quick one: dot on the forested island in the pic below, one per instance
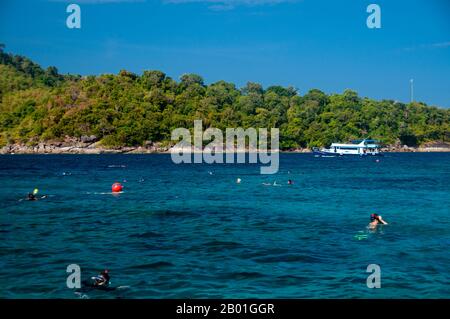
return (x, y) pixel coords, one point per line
(42, 110)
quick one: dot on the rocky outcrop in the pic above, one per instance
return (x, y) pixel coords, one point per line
(427, 147)
(435, 147)
(84, 145)
(88, 139)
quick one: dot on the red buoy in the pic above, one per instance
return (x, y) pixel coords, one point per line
(117, 187)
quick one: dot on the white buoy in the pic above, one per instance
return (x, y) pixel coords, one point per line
(238, 181)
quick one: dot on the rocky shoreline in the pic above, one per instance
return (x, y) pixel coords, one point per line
(86, 147)
(79, 148)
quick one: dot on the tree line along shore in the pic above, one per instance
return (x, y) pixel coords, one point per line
(43, 111)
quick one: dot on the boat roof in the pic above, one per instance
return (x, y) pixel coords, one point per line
(355, 145)
(358, 143)
(367, 141)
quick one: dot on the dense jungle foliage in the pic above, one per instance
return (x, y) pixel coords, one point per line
(127, 109)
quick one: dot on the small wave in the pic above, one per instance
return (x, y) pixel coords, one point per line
(40, 255)
(13, 251)
(123, 287)
(244, 275)
(291, 280)
(155, 265)
(103, 193)
(217, 245)
(274, 184)
(172, 213)
(223, 243)
(81, 295)
(288, 258)
(148, 234)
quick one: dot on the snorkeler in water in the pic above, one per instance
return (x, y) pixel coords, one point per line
(102, 280)
(375, 220)
(33, 196)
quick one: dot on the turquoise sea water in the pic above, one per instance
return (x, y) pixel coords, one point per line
(189, 231)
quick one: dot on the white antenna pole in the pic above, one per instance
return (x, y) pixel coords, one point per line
(412, 90)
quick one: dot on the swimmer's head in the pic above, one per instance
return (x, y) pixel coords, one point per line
(374, 217)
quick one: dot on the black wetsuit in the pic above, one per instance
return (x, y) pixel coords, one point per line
(106, 277)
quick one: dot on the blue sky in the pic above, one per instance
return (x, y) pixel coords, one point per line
(304, 43)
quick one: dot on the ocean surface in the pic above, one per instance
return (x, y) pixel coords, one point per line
(190, 231)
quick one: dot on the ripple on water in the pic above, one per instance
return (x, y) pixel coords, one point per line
(153, 265)
(147, 234)
(219, 246)
(288, 258)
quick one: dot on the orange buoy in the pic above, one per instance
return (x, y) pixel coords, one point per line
(117, 187)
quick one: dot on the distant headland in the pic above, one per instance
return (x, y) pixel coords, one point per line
(43, 111)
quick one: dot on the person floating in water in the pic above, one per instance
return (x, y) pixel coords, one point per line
(33, 195)
(290, 182)
(102, 280)
(375, 220)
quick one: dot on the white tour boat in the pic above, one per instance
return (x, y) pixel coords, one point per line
(358, 147)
